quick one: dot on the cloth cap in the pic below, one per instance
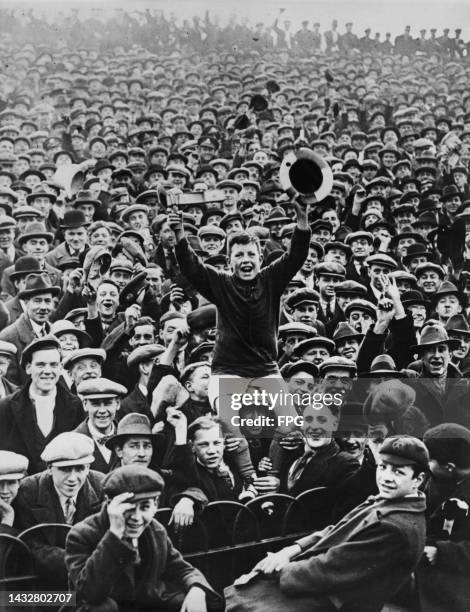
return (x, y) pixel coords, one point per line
(141, 481)
(405, 450)
(82, 353)
(144, 353)
(12, 465)
(100, 387)
(69, 448)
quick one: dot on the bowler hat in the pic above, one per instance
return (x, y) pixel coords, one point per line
(24, 266)
(37, 284)
(74, 219)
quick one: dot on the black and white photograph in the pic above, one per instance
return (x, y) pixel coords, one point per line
(235, 306)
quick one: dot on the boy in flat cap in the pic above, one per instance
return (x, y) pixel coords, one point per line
(13, 469)
(121, 558)
(101, 399)
(362, 561)
(66, 492)
(442, 576)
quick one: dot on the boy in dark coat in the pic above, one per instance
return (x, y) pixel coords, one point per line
(123, 557)
(442, 576)
(362, 561)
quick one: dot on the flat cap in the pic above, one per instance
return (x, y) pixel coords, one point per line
(350, 287)
(302, 296)
(363, 305)
(69, 448)
(7, 348)
(211, 230)
(39, 344)
(331, 268)
(83, 353)
(12, 465)
(337, 362)
(296, 327)
(449, 443)
(141, 481)
(359, 235)
(144, 353)
(317, 341)
(100, 387)
(382, 259)
(290, 369)
(405, 450)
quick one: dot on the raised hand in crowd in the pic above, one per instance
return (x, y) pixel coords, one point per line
(116, 510)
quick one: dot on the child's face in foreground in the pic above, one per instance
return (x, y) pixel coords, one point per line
(396, 481)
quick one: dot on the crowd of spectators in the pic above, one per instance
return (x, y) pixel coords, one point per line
(107, 327)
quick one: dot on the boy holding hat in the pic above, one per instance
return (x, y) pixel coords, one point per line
(122, 557)
(66, 492)
(363, 560)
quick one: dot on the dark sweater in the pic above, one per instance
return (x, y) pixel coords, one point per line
(247, 312)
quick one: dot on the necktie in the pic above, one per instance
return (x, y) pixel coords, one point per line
(298, 469)
(69, 511)
(224, 473)
(329, 311)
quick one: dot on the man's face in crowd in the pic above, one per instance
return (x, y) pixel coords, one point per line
(452, 204)
(137, 450)
(167, 236)
(302, 383)
(306, 313)
(245, 261)
(208, 447)
(337, 255)
(68, 480)
(84, 369)
(361, 248)
(337, 380)
(231, 199)
(310, 261)
(143, 335)
(155, 277)
(36, 247)
(9, 490)
(429, 281)
(76, 238)
(39, 307)
(464, 347)
(418, 312)
(7, 237)
(316, 355)
(198, 383)
(322, 236)
(212, 244)
(348, 347)
(43, 204)
(318, 426)
(44, 370)
(326, 285)
(120, 277)
(375, 273)
(447, 306)
(436, 359)
(360, 320)
(169, 327)
(107, 299)
(68, 343)
(101, 411)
